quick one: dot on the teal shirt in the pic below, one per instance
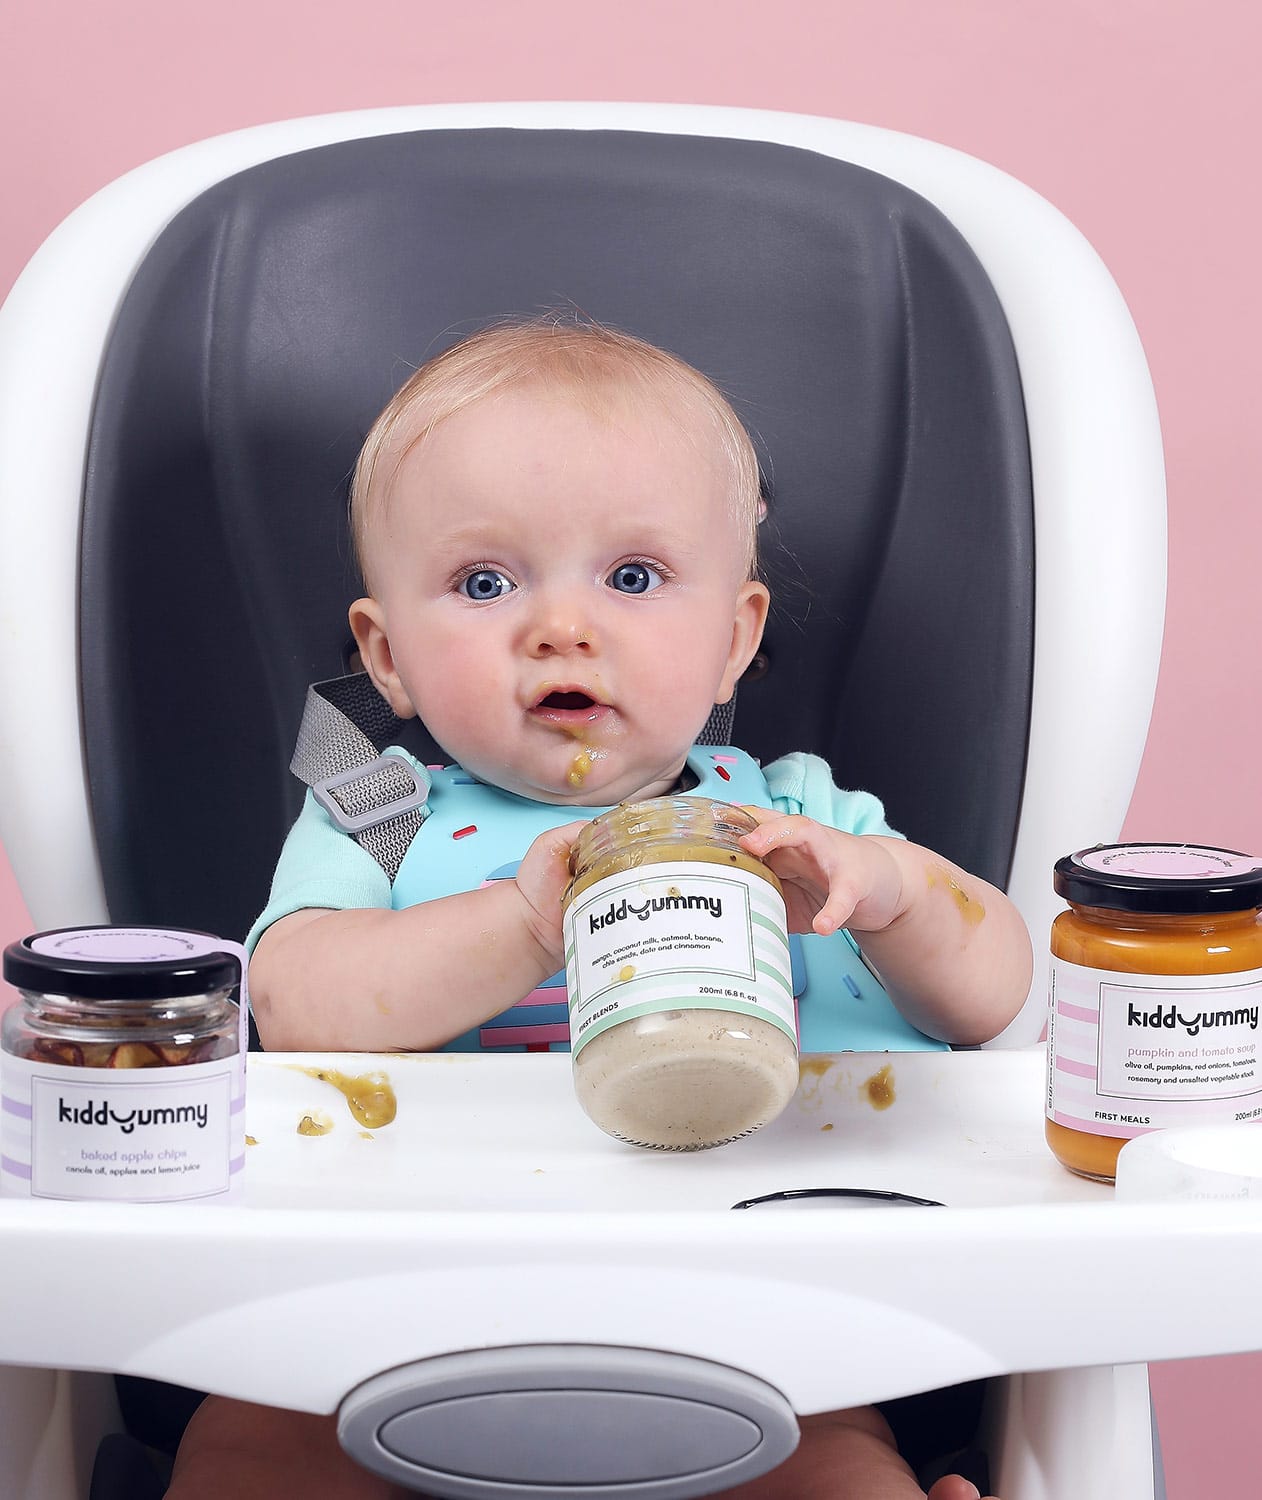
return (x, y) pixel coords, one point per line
(476, 833)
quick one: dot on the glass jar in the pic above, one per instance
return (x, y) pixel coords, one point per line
(1155, 985)
(682, 1020)
(122, 1066)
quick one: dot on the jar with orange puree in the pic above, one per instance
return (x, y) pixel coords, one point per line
(1156, 982)
(682, 1021)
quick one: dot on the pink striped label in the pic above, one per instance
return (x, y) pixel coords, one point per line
(1077, 1012)
(1129, 1053)
(1078, 1069)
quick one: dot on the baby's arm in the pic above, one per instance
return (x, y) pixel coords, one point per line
(374, 980)
(952, 950)
(847, 1455)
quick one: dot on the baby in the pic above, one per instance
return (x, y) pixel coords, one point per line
(556, 526)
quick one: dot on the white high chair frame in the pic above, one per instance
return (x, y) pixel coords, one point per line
(450, 1221)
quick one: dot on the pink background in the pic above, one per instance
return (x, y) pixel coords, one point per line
(1132, 116)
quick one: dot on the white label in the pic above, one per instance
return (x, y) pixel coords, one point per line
(1128, 1053)
(674, 936)
(130, 1135)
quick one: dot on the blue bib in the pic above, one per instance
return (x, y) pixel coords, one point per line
(477, 833)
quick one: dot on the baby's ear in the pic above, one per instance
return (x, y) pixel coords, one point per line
(368, 625)
(752, 603)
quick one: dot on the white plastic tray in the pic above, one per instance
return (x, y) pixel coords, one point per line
(492, 1212)
(505, 1134)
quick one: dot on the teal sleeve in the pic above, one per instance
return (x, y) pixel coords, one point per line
(801, 783)
(320, 866)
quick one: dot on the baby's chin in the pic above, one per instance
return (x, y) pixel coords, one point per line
(586, 783)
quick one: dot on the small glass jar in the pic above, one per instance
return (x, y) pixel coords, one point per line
(1155, 987)
(122, 1066)
(682, 1019)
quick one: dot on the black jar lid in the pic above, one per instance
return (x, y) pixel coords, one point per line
(121, 963)
(1164, 879)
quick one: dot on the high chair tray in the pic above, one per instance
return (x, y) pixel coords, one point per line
(491, 1212)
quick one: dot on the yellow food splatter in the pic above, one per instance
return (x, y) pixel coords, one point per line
(969, 907)
(368, 1096)
(250, 1141)
(880, 1088)
(814, 1067)
(826, 1127)
(316, 1123)
(627, 971)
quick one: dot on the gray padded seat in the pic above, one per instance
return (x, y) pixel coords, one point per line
(848, 321)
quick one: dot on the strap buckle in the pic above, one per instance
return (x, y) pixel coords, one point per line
(325, 793)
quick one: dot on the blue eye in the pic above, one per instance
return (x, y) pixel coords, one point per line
(484, 584)
(634, 578)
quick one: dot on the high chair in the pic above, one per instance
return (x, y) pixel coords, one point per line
(948, 394)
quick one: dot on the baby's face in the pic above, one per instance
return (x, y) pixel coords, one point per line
(560, 594)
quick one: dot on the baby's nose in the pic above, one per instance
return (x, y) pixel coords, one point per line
(561, 641)
(559, 631)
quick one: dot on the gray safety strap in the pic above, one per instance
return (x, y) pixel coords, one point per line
(717, 729)
(379, 800)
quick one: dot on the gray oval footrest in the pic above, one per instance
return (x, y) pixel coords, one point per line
(583, 1421)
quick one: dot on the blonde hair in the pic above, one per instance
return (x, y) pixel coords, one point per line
(594, 363)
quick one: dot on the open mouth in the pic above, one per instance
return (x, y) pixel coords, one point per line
(567, 701)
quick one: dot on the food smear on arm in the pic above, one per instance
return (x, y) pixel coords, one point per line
(969, 907)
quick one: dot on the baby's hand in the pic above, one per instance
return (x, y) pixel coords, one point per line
(542, 878)
(954, 1487)
(830, 879)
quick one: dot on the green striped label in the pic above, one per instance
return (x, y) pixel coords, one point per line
(677, 936)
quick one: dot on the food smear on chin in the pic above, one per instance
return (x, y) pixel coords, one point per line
(582, 712)
(579, 767)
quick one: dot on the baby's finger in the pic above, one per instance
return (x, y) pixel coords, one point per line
(837, 909)
(953, 1487)
(776, 830)
(562, 838)
(760, 814)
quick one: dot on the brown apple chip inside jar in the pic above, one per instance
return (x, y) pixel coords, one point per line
(173, 1054)
(68, 1054)
(134, 1055)
(128, 1054)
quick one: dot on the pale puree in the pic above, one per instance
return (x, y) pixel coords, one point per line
(683, 1078)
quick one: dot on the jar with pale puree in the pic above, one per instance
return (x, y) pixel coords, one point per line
(682, 1020)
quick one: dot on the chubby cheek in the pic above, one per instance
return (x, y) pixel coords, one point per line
(454, 691)
(684, 669)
